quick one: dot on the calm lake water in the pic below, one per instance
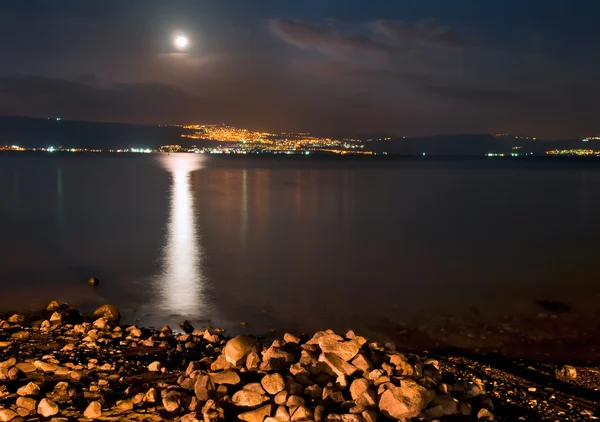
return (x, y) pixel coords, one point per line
(299, 243)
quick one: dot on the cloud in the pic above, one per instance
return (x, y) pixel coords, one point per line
(425, 31)
(324, 37)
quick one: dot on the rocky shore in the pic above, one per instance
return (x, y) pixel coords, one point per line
(62, 366)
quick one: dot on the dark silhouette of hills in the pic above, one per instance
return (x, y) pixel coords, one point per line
(36, 132)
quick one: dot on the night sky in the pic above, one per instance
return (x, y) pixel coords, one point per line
(346, 67)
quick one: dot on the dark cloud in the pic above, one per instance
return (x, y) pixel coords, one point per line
(477, 94)
(140, 102)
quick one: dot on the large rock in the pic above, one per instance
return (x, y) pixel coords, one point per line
(238, 348)
(93, 411)
(108, 311)
(258, 415)
(406, 401)
(273, 383)
(344, 349)
(47, 408)
(245, 398)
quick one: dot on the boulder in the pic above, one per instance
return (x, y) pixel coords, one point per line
(405, 401)
(108, 311)
(238, 348)
(47, 408)
(155, 366)
(93, 411)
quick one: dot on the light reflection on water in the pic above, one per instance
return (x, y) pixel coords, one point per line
(182, 284)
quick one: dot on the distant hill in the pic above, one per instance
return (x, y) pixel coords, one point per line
(36, 132)
(474, 144)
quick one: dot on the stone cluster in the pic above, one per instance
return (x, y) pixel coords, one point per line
(66, 367)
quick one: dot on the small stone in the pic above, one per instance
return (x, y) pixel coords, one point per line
(362, 363)
(186, 326)
(485, 415)
(47, 408)
(26, 367)
(26, 403)
(238, 348)
(151, 395)
(273, 383)
(155, 366)
(93, 281)
(93, 411)
(56, 318)
(171, 402)
(358, 387)
(568, 371)
(346, 350)
(245, 398)
(100, 323)
(7, 415)
(290, 338)
(30, 389)
(257, 415)
(253, 361)
(16, 319)
(302, 413)
(464, 409)
(281, 397)
(339, 367)
(123, 406)
(227, 378)
(204, 388)
(108, 311)
(405, 401)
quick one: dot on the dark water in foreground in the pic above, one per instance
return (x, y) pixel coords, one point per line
(300, 244)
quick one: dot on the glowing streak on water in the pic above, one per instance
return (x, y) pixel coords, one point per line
(182, 281)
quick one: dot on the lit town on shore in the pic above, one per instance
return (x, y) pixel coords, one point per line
(229, 140)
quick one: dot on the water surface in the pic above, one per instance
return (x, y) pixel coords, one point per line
(300, 243)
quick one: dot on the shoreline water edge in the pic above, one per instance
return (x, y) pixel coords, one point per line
(60, 365)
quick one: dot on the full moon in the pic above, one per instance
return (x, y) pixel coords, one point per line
(181, 42)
